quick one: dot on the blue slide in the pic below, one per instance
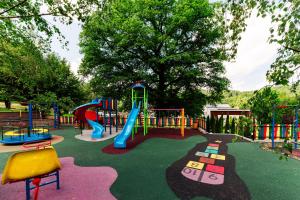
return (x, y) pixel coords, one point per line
(120, 140)
(97, 129)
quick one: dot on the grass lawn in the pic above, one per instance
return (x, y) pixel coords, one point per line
(141, 172)
(266, 176)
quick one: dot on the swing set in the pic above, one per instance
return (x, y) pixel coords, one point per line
(161, 118)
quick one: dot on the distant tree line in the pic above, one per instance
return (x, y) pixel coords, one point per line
(29, 74)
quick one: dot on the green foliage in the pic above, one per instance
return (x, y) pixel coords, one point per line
(232, 126)
(213, 124)
(23, 19)
(208, 127)
(227, 125)
(237, 99)
(285, 31)
(262, 104)
(29, 75)
(220, 123)
(174, 46)
(245, 126)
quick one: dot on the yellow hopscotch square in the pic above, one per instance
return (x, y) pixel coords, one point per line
(217, 156)
(195, 165)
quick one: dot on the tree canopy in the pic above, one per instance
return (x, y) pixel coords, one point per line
(24, 19)
(285, 31)
(262, 104)
(29, 75)
(174, 46)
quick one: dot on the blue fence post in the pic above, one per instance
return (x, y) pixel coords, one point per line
(56, 115)
(273, 127)
(97, 115)
(30, 116)
(296, 129)
(116, 104)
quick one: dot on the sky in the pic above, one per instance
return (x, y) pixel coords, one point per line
(247, 72)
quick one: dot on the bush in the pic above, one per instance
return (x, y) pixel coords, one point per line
(220, 125)
(213, 124)
(232, 126)
(208, 124)
(227, 125)
(245, 126)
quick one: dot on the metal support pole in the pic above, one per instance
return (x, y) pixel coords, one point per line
(145, 112)
(97, 115)
(110, 121)
(30, 117)
(27, 188)
(116, 105)
(296, 129)
(104, 120)
(182, 122)
(57, 180)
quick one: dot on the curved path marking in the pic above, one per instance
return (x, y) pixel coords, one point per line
(207, 170)
(88, 183)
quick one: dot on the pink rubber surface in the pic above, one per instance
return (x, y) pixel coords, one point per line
(89, 183)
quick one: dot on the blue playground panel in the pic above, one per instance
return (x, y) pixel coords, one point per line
(25, 138)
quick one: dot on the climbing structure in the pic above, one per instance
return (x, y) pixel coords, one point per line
(139, 93)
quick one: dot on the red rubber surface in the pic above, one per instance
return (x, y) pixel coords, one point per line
(153, 132)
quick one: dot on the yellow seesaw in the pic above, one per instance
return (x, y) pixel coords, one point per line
(32, 164)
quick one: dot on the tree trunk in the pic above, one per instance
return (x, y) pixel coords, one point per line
(7, 104)
(161, 89)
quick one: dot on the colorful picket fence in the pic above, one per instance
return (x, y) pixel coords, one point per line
(153, 122)
(67, 120)
(281, 131)
(161, 122)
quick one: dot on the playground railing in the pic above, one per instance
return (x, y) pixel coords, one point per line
(13, 132)
(281, 131)
(152, 122)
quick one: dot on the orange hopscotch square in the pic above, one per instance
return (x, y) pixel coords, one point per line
(207, 160)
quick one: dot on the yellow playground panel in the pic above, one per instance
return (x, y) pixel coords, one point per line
(40, 130)
(29, 164)
(13, 133)
(23, 132)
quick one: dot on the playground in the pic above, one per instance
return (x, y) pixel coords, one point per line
(139, 99)
(153, 170)
(162, 156)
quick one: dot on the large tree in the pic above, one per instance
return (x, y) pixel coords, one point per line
(174, 46)
(262, 104)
